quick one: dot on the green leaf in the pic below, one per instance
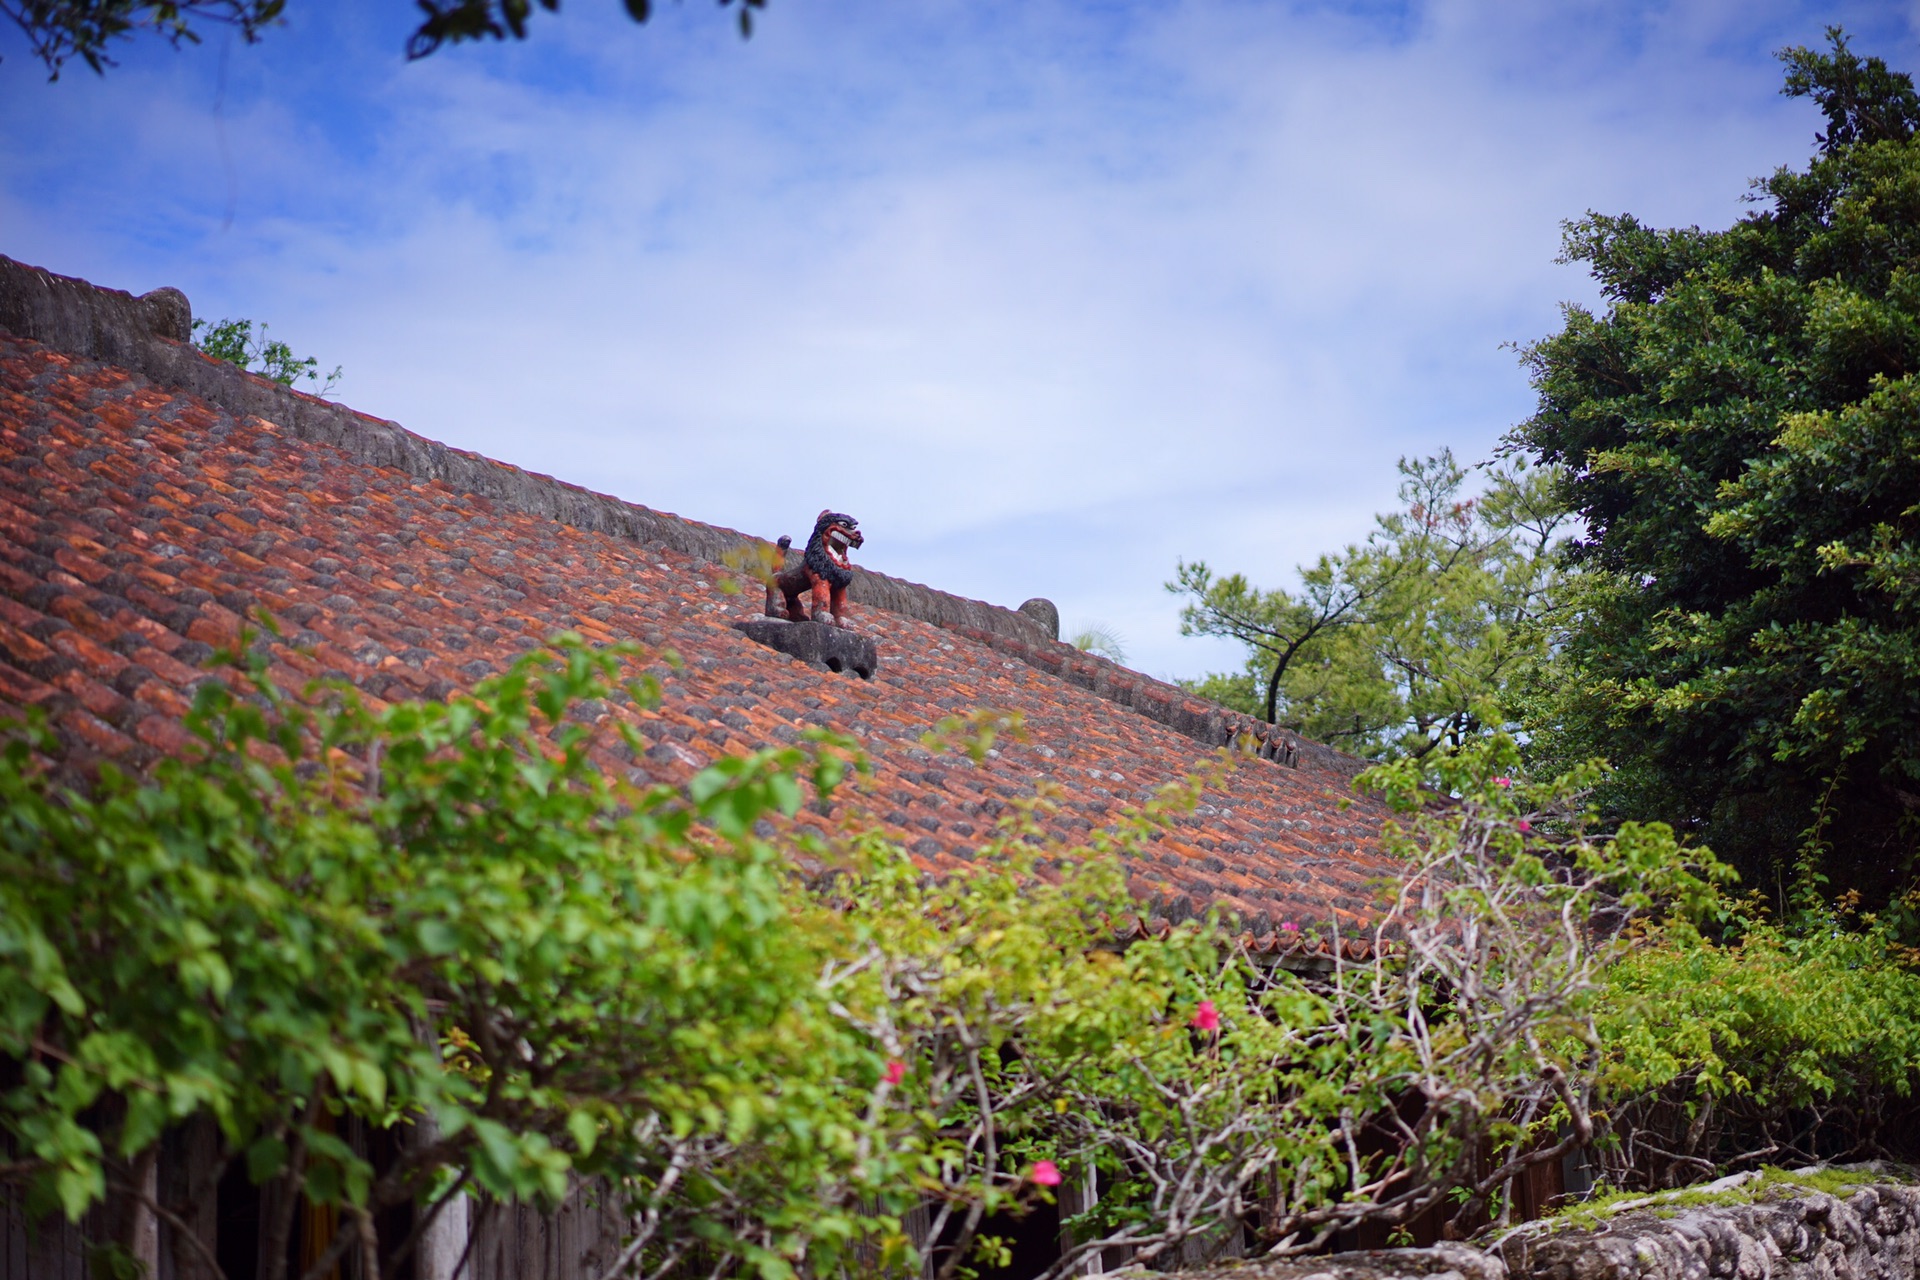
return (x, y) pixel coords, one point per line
(584, 1130)
(77, 1189)
(437, 936)
(266, 1156)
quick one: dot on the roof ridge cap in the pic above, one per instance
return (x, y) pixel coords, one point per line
(1168, 704)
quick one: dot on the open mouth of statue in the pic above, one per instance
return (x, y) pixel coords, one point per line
(838, 543)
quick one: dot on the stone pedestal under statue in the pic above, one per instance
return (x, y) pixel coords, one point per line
(818, 644)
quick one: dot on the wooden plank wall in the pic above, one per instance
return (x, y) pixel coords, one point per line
(54, 1249)
(511, 1242)
(517, 1242)
(49, 1250)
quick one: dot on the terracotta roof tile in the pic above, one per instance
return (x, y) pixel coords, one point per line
(139, 528)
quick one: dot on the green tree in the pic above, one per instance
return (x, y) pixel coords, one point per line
(235, 342)
(1427, 635)
(59, 30)
(452, 21)
(1738, 429)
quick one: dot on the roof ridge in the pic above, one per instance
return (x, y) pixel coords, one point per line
(1169, 704)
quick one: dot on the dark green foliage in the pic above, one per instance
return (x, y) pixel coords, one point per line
(452, 21)
(62, 29)
(1739, 432)
(1862, 100)
(84, 29)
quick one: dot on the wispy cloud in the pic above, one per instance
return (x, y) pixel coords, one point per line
(1048, 294)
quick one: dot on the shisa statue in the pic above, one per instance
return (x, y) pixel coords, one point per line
(824, 571)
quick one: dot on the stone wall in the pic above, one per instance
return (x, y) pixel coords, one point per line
(1869, 1232)
(1438, 1262)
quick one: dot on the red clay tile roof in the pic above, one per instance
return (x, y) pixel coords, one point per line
(139, 525)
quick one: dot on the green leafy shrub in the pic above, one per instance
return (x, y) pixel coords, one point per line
(1196, 1086)
(439, 918)
(1784, 1045)
(1496, 954)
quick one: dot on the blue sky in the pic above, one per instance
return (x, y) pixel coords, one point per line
(1048, 294)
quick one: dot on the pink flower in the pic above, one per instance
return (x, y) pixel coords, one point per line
(1206, 1018)
(1523, 826)
(1503, 781)
(896, 1072)
(1288, 926)
(1044, 1173)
